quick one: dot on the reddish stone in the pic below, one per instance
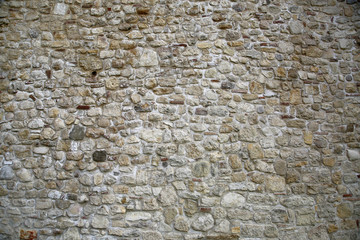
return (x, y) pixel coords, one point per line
(205, 210)
(83, 107)
(177, 102)
(28, 234)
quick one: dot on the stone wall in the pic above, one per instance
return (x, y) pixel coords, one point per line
(170, 119)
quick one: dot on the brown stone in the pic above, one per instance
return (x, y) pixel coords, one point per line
(295, 96)
(344, 210)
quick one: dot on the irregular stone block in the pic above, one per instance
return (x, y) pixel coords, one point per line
(203, 222)
(6, 173)
(99, 156)
(100, 222)
(201, 169)
(149, 58)
(231, 200)
(77, 133)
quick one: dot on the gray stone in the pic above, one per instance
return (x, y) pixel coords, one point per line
(201, 169)
(90, 63)
(181, 224)
(71, 233)
(137, 216)
(318, 233)
(77, 133)
(60, 9)
(280, 167)
(296, 27)
(353, 155)
(24, 175)
(194, 151)
(99, 156)
(275, 183)
(152, 136)
(232, 200)
(169, 215)
(36, 123)
(100, 222)
(151, 235)
(149, 58)
(6, 173)
(168, 196)
(112, 110)
(202, 222)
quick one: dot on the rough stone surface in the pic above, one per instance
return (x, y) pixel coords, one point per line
(179, 119)
(77, 133)
(100, 222)
(72, 233)
(203, 222)
(149, 58)
(6, 173)
(232, 200)
(99, 156)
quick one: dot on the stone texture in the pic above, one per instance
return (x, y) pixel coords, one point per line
(99, 156)
(181, 224)
(179, 119)
(203, 222)
(137, 216)
(6, 173)
(168, 196)
(201, 169)
(275, 184)
(100, 222)
(344, 210)
(149, 58)
(152, 136)
(77, 133)
(232, 200)
(72, 233)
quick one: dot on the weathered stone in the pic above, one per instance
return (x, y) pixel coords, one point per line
(275, 184)
(255, 151)
(100, 222)
(231, 200)
(296, 27)
(295, 96)
(60, 9)
(181, 224)
(90, 63)
(318, 233)
(152, 136)
(203, 45)
(149, 58)
(308, 137)
(136, 216)
(194, 151)
(24, 175)
(152, 236)
(6, 173)
(235, 161)
(112, 83)
(344, 210)
(168, 196)
(99, 156)
(170, 214)
(203, 222)
(112, 110)
(353, 155)
(280, 167)
(201, 169)
(77, 133)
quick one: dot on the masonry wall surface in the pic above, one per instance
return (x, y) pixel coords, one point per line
(165, 119)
